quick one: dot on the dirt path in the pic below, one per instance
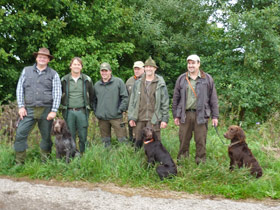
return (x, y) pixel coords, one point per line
(21, 194)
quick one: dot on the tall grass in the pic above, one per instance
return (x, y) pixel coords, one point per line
(124, 166)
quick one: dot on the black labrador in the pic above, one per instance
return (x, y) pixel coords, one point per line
(156, 152)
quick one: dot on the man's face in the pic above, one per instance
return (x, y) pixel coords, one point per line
(138, 71)
(150, 70)
(193, 66)
(105, 74)
(76, 67)
(42, 60)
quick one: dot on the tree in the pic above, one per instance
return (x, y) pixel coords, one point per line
(93, 30)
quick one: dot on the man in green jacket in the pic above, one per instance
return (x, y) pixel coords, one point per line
(138, 68)
(109, 102)
(76, 101)
(149, 102)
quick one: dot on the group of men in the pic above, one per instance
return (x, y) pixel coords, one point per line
(144, 97)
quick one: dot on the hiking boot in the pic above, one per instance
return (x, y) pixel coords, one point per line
(20, 157)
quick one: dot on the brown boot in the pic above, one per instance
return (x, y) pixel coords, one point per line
(20, 157)
(45, 155)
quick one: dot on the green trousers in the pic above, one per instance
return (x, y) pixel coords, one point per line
(34, 115)
(77, 122)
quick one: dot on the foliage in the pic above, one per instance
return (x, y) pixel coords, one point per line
(124, 166)
(242, 54)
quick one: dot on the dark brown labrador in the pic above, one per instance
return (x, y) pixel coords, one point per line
(156, 152)
(64, 143)
(239, 152)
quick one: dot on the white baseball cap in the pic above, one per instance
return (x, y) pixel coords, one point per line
(138, 64)
(193, 58)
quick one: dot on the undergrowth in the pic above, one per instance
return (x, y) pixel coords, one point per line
(124, 166)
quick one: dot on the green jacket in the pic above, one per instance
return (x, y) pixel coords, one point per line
(88, 93)
(161, 106)
(110, 99)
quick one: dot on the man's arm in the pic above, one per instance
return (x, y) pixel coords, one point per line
(91, 93)
(56, 94)
(123, 97)
(164, 105)
(176, 98)
(20, 90)
(20, 96)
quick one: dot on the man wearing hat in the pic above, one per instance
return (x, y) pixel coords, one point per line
(149, 102)
(38, 98)
(194, 102)
(138, 68)
(109, 102)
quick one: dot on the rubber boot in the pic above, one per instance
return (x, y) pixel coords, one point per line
(45, 155)
(20, 157)
(122, 140)
(107, 142)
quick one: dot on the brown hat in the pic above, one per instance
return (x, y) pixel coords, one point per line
(150, 62)
(43, 51)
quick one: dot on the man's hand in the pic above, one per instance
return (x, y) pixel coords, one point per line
(163, 125)
(177, 121)
(215, 122)
(51, 116)
(22, 112)
(132, 123)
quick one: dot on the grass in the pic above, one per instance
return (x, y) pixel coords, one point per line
(124, 166)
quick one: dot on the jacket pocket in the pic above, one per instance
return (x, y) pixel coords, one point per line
(47, 97)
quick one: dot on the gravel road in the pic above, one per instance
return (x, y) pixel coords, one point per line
(20, 194)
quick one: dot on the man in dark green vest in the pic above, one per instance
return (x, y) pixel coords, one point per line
(38, 98)
(77, 95)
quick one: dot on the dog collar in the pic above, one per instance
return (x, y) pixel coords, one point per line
(147, 142)
(234, 143)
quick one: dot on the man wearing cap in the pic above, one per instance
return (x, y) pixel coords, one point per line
(38, 98)
(76, 101)
(149, 102)
(109, 102)
(194, 102)
(138, 68)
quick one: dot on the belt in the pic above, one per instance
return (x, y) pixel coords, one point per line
(191, 110)
(76, 109)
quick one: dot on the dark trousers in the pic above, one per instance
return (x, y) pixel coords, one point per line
(186, 131)
(39, 115)
(77, 122)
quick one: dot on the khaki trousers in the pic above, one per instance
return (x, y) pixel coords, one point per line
(186, 131)
(105, 130)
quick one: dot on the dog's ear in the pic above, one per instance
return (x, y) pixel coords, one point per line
(240, 134)
(155, 137)
(143, 134)
(138, 144)
(64, 127)
(52, 129)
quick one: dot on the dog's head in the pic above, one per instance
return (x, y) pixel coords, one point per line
(148, 134)
(58, 127)
(235, 133)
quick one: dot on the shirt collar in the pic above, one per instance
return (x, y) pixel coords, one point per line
(80, 77)
(38, 71)
(199, 74)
